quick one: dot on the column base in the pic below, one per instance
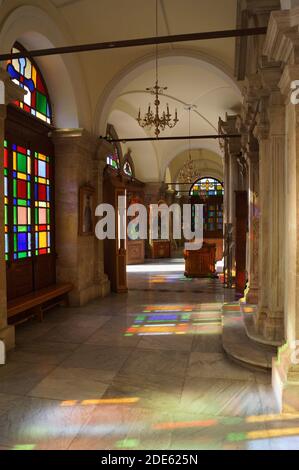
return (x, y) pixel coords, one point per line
(252, 296)
(285, 380)
(271, 328)
(99, 289)
(7, 335)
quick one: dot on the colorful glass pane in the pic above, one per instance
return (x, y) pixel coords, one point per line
(6, 232)
(21, 179)
(128, 169)
(207, 187)
(42, 208)
(25, 74)
(113, 159)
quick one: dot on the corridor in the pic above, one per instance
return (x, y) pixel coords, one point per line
(143, 370)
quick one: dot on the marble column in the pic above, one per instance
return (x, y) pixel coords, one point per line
(285, 375)
(262, 133)
(8, 92)
(252, 293)
(77, 256)
(273, 327)
(104, 148)
(281, 45)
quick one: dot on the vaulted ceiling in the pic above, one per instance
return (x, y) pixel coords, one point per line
(199, 73)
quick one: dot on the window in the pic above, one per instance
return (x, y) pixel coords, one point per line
(6, 199)
(205, 187)
(128, 169)
(113, 159)
(22, 188)
(26, 74)
(28, 185)
(209, 192)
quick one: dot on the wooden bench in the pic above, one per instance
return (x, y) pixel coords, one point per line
(35, 303)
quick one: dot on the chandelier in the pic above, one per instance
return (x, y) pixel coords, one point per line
(189, 171)
(153, 118)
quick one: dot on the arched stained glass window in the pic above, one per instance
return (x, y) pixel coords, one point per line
(205, 187)
(128, 169)
(28, 185)
(25, 73)
(113, 159)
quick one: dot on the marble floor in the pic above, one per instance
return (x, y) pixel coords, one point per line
(143, 370)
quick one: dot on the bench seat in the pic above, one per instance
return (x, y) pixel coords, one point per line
(37, 302)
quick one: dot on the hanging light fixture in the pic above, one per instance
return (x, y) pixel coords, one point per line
(153, 118)
(188, 172)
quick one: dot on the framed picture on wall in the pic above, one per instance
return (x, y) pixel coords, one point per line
(86, 210)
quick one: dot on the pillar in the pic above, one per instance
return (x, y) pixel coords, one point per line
(79, 258)
(262, 133)
(252, 293)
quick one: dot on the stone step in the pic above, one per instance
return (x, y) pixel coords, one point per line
(238, 346)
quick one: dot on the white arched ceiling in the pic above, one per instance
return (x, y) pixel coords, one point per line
(190, 80)
(144, 156)
(35, 28)
(209, 163)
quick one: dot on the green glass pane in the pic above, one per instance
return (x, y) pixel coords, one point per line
(28, 191)
(14, 188)
(41, 103)
(15, 218)
(5, 215)
(22, 163)
(22, 202)
(22, 255)
(22, 228)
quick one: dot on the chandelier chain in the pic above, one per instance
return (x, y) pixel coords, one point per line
(153, 118)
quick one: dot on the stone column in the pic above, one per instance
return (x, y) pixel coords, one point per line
(8, 92)
(285, 376)
(262, 133)
(252, 293)
(273, 327)
(282, 45)
(77, 255)
(104, 148)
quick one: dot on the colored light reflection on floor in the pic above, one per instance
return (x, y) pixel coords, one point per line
(156, 268)
(185, 321)
(163, 279)
(24, 447)
(127, 444)
(270, 418)
(101, 401)
(185, 425)
(264, 434)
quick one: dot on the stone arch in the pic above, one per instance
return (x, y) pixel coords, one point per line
(113, 89)
(34, 28)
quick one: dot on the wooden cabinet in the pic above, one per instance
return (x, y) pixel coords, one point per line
(200, 263)
(135, 251)
(161, 249)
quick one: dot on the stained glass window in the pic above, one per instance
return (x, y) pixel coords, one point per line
(209, 192)
(21, 202)
(6, 235)
(42, 204)
(25, 73)
(205, 187)
(113, 159)
(128, 169)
